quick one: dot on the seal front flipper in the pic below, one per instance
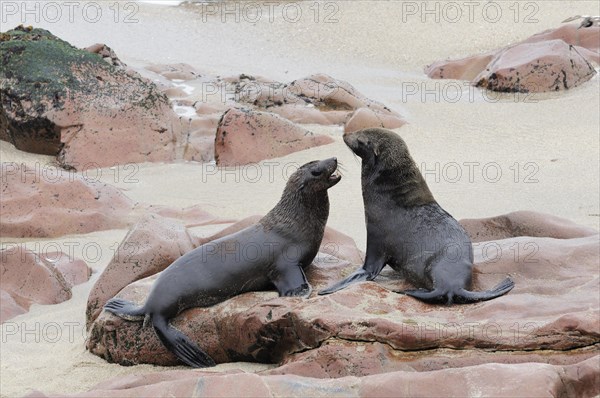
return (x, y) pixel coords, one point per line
(290, 281)
(359, 275)
(374, 263)
(125, 309)
(180, 345)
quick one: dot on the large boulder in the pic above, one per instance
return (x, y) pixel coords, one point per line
(555, 59)
(536, 67)
(551, 316)
(60, 100)
(247, 136)
(36, 278)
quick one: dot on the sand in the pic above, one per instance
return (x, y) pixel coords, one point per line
(545, 147)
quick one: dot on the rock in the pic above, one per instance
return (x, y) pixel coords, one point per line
(550, 60)
(364, 118)
(524, 223)
(587, 40)
(536, 67)
(151, 246)
(488, 380)
(59, 100)
(29, 278)
(107, 54)
(179, 71)
(318, 98)
(247, 136)
(49, 201)
(553, 316)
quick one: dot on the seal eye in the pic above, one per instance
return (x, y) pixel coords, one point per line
(316, 173)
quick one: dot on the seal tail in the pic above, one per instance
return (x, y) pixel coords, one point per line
(125, 309)
(461, 296)
(180, 344)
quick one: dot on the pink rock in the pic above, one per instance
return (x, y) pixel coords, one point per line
(536, 67)
(151, 246)
(364, 118)
(488, 380)
(586, 40)
(49, 201)
(175, 71)
(9, 307)
(246, 136)
(539, 60)
(74, 271)
(524, 223)
(29, 278)
(318, 98)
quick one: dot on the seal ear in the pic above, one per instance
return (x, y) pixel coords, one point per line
(301, 187)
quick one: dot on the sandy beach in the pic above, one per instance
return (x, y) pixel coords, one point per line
(482, 154)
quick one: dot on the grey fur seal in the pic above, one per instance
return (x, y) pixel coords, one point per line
(407, 229)
(271, 253)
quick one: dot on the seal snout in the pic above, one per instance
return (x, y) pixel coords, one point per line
(331, 171)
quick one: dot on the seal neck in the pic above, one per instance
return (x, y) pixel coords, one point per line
(299, 212)
(405, 185)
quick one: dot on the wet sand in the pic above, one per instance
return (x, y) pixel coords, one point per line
(482, 156)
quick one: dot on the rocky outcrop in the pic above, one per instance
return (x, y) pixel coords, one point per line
(59, 100)
(318, 99)
(488, 380)
(246, 136)
(550, 317)
(556, 59)
(36, 278)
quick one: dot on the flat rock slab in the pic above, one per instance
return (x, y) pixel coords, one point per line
(489, 380)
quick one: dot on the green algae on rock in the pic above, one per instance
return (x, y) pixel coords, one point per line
(60, 100)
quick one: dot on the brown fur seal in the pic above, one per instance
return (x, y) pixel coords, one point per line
(271, 253)
(407, 229)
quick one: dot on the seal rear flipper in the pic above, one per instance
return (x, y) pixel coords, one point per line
(357, 276)
(180, 345)
(125, 309)
(461, 296)
(429, 296)
(464, 296)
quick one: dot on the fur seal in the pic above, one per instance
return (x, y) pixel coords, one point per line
(271, 253)
(407, 229)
